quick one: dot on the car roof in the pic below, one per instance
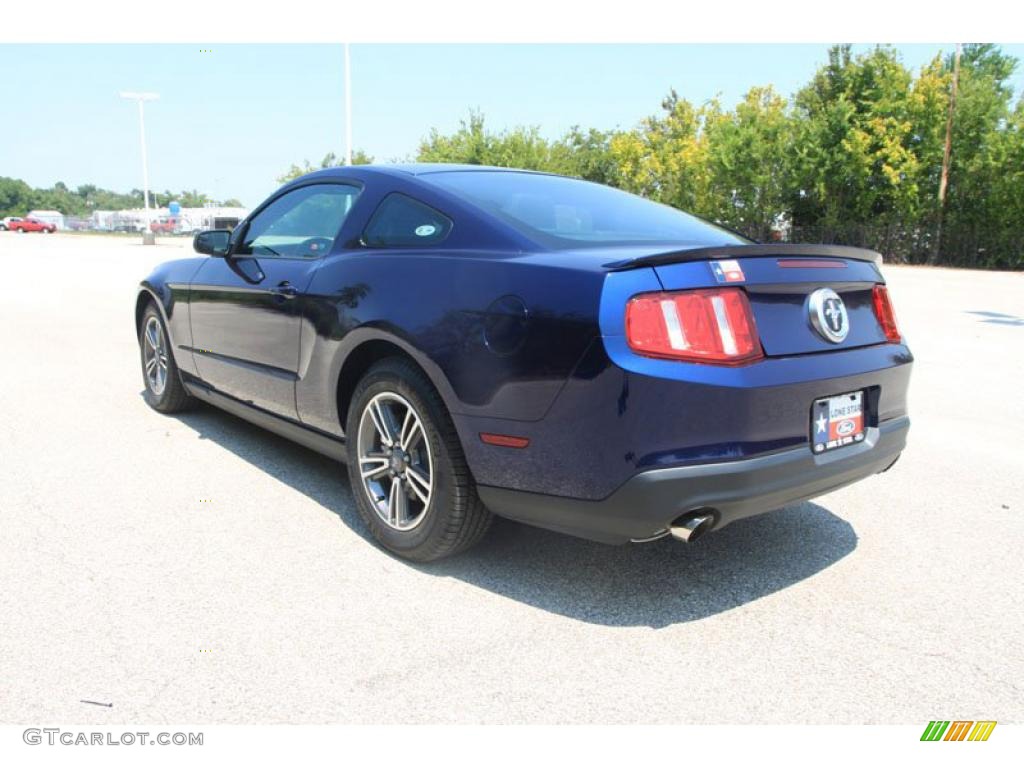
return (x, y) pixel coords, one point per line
(419, 169)
(412, 169)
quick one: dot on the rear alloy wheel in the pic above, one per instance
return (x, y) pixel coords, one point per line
(164, 389)
(406, 467)
(394, 461)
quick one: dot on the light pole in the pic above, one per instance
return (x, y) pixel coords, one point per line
(141, 98)
(348, 109)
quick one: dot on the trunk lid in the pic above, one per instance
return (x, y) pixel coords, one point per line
(779, 280)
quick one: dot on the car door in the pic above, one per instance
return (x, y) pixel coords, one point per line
(245, 308)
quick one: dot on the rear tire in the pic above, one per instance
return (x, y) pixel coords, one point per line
(406, 466)
(165, 391)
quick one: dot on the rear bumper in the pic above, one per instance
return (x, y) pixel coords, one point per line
(645, 505)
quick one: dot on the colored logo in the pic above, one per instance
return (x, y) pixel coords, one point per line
(847, 427)
(727, 271)
(958, 730)
(828, 315)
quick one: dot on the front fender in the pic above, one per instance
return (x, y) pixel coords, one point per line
(167, 287)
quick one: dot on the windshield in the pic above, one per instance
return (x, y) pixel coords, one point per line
(562, 212)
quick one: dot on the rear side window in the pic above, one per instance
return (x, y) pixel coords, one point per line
(402, 222)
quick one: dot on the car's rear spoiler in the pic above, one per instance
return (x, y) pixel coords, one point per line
(744, 251)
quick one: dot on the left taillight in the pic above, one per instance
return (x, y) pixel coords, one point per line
(702, 326)
(885, 313)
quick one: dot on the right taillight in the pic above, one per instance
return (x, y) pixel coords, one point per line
(701, 326)
(885, 313)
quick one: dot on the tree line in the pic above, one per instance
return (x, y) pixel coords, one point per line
(854, 157)
(17, 198)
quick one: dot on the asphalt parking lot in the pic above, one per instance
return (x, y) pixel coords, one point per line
(195, 569)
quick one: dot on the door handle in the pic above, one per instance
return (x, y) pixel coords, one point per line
(285, 290)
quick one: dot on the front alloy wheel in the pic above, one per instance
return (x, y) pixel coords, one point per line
(164, 389)
(154, 356)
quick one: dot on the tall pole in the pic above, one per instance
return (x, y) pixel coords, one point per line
(348, 109)
(947, 153)
(145, 163)
(140, 99)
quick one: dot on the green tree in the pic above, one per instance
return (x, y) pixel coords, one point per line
(585, 154)
(749, 151)
(473, 144)
(928, 105)
(331, 160)
(1004, 199)
(666, 157)
(16, 197)
(984, 132)
(853, 150)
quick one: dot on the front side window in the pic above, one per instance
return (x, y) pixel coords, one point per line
(300, 224)
(402, 222)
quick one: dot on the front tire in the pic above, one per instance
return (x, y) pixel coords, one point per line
(406, 466)
(165, 391)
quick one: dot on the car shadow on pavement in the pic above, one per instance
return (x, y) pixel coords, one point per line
(656, 584)
(662, 582)
(997, 318)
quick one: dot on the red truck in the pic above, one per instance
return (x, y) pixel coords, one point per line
(165, 225)
(32, 225)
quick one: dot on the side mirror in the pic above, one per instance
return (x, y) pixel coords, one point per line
(212, 242)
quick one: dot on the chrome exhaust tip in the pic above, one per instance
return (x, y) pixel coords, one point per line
(691, 527)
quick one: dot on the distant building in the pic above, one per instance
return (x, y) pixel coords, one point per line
(50, 217)
(214, 218)
(189, 219)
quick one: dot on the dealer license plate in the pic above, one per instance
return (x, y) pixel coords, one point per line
(837, 421)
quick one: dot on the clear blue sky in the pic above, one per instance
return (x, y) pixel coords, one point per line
(228, 122)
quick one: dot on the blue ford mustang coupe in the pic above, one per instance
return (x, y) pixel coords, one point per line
(474, 340)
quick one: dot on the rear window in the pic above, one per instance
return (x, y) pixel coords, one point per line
(559, 211)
